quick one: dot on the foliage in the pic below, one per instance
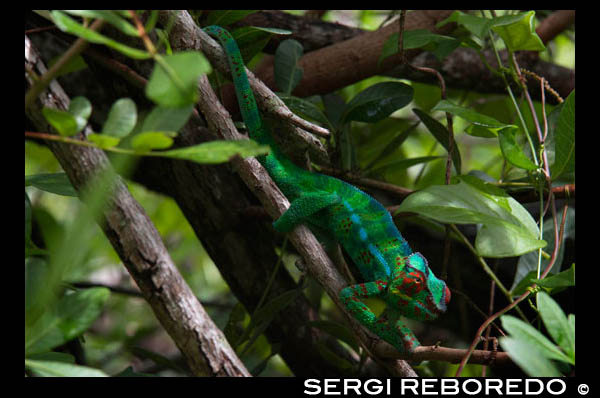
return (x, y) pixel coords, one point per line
(172, 86)
(531, 350)
(381, 129)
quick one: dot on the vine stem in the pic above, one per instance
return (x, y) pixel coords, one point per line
(262, 299)
(67, 140)
(522, 297)
(486, 267)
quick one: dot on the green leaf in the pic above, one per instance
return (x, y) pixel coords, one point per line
(53, 356)
(527, 333)
(571, 320)
(417, 38)
(149, 140)
(61, 369)
(109, 16)
(234, 329)
(163, 118)
(480, 131)
(529, 262)
(476, 25)
(334, 108)
(71, 122)
(57, 183)
(521, 284)
(287, 72)
(306, 109)
(556, 323)
(226, 17)
(62, 121)
(562, 279)
(218, 151)
(174, 80)
(250, 41)
(471, 116)
(564, 138)
(151, 21)
(519, 35)
(529, 358)
(103, 141)
(512, 150)
(516, 30)
(121, 118)
(36, 273)
(508, 229)
(404, 163)
(27, 216)
(441, 134)
(273, 307)
(73, 314)
(81, 109)
(438, 45)
(263, 316)
(73, 64)
(68, 24)
(391, 147)
(338, 331)
(506, 240)
(378, 102)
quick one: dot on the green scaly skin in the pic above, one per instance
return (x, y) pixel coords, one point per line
(364, 228)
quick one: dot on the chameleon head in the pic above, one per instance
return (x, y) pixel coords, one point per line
(416, 290)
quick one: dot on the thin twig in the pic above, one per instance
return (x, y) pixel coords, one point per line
(516, 301)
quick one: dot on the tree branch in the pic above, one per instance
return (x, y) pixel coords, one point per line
(331, 63)
(260, 183)
(138, 244)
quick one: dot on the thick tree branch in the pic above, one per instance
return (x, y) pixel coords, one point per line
(330, 63)
(138, 244)
(212, 199)
(554, 24)
(258, 180)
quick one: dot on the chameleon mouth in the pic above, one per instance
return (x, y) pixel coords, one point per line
(447, 296)
(443, 304)
(440, 306)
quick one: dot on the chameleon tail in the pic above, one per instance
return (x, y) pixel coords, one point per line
(282, 170)
(243, 91)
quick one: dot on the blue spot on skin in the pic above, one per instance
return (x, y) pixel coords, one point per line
(362, 233)
(379, 258)
(355, 219)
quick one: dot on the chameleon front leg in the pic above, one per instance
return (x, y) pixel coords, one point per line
(394, 331)
(303, 207)
(388, 325)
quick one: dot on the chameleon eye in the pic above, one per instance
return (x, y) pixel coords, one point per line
(417, 277)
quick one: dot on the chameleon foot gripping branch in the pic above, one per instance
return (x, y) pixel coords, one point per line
(360, 224)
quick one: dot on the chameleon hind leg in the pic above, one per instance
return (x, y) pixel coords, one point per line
(388, 326)
(303, 207)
